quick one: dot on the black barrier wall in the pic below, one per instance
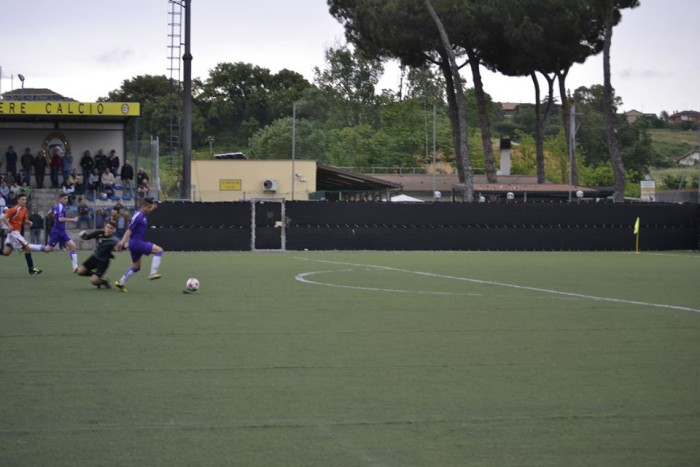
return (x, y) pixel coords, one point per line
(188, 226)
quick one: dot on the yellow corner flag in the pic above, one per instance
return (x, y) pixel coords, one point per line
(636, 226)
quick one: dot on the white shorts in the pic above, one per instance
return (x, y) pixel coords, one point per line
(16, 240)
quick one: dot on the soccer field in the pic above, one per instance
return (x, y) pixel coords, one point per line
(354, 359)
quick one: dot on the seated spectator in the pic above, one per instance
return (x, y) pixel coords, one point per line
(143, 189)
(94, 180)
(107, 181)
(68, 187)
(84, 214)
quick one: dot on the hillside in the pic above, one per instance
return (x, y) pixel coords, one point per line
(673, 144)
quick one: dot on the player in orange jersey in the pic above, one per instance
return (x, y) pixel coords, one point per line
(16, 219)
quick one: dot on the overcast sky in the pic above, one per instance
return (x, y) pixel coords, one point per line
(84, 49)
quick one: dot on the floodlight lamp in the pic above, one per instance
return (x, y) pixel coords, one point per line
(21, 77)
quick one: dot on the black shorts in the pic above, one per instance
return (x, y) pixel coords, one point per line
(95, 266)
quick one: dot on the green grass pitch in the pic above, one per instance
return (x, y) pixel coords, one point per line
(354, 359)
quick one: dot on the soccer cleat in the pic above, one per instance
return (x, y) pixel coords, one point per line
(75, 270)
(105, 282)
(153, 277)
(121, 287)
(35, 271)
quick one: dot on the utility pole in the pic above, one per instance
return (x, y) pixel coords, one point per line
(186, 191)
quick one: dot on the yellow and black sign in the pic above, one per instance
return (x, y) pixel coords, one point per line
(230, 184)
(67, 108)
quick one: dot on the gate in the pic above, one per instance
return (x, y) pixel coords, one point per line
(268, 229)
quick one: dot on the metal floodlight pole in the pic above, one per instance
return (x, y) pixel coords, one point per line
(434, 146)
(572, 143)
(294, 144)
(187, 108)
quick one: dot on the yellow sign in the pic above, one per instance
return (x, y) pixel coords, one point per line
(66, 108)
(230, 185)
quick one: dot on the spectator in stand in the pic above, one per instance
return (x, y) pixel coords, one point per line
(101, 161)
(67, 165)
(87, 163)
(68, 188)
(37, 226)
(3, 208)
(11, 162)
(113, 162)
(27, 163)
(25, 190)
(100, 218)
(56, 164)
(78, 179)
(142, 183)
(4, 188)
(127, 177)
(11, 199)
(41, 161)
(143, 190)
(107, 181)
(84, 214)
(94, 180)
(123, 220)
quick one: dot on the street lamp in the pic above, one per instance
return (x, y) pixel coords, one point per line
(21, 78)
(211, 140)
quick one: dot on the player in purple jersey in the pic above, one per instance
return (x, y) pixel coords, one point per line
(58, 231)
(138, 246)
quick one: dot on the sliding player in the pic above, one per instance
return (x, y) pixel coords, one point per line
(96, 265)
(138, 246)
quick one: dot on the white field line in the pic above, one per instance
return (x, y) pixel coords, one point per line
(303, 277)
(505, 284)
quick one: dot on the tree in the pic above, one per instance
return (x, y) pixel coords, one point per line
(540, 38)
(350, 81)
(611, 14)
(275, 141)
(236, 96)
(404, 29)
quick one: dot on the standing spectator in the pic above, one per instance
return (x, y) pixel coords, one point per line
(100, 218)
(87, 163)
(67, 165)
(127, 177)
(37, 226)
(101, 161)
(40, 164)
(27, 162)
(113, 162)
(11, 162)
(56, 164)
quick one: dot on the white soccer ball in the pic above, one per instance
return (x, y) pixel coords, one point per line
(192, 284)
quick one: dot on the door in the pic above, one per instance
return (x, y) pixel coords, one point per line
(268, 226)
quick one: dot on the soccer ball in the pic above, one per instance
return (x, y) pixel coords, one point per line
(192, 284)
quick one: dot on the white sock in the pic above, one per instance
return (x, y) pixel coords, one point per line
(74, 259)
(155, 264)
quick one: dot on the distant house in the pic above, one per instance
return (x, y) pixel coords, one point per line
(633, 115)
(34, 94)
(685, 116)
(509, 108)
(690, 159)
